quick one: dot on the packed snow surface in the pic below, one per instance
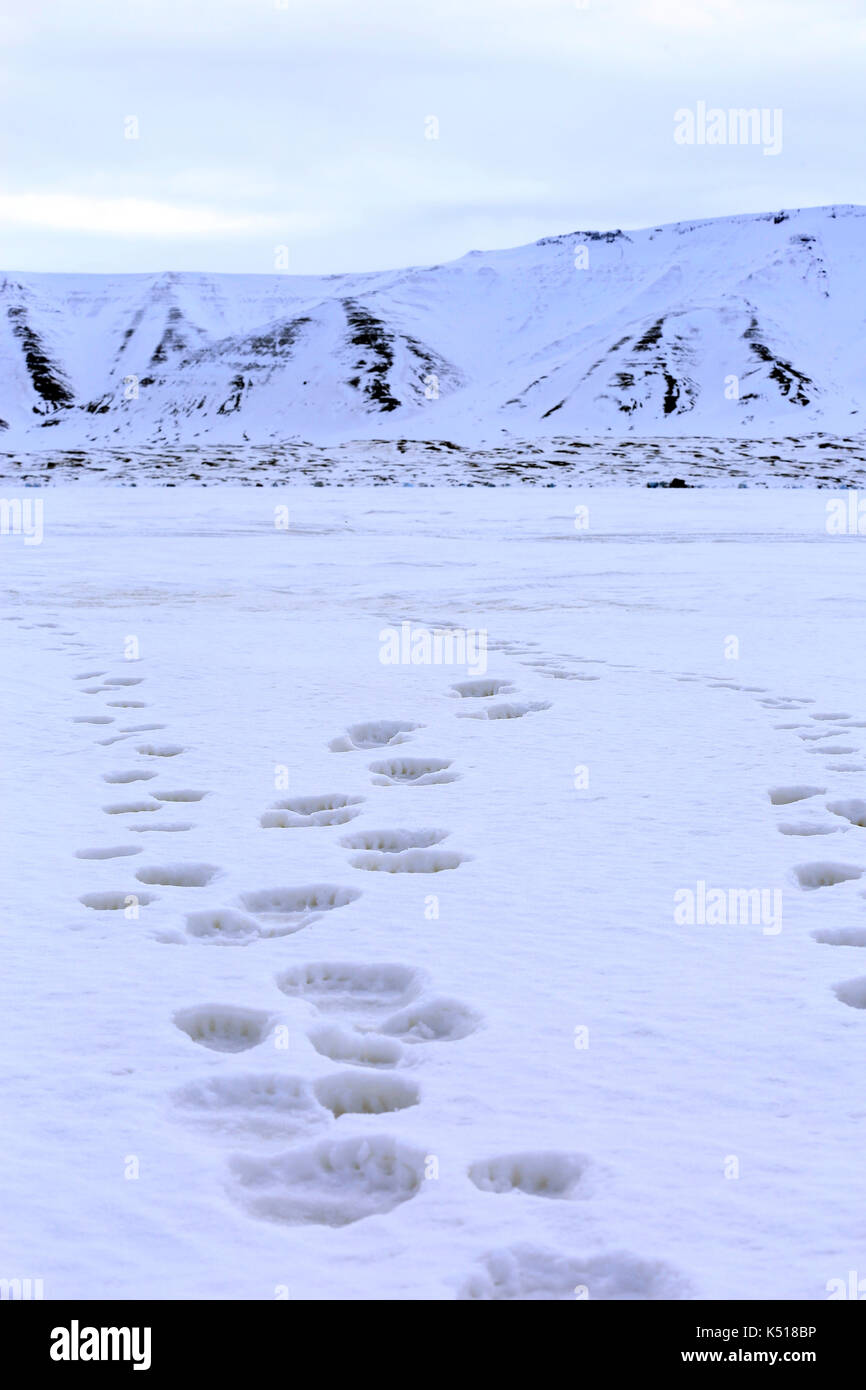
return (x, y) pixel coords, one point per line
(326, 977)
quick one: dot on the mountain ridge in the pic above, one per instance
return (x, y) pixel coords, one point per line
(724, 327)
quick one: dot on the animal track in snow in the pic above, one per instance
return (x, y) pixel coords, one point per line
(823, 874)
(482, 689)
(433, 1020)
(178, 875)
(128, 704)
(136, 774)
(93, 689)
(269, 1106)
(853, 811)
(353, 987)
(348, 1093)
(830, 716)
(512, 647)
(88, 675)
(141, 728)
(531, 1273)
(784, 796)
(109, 742)
(852, 992)
(513, 710)
(183, 795)
(415, 772)
(804, 827)
(334, 1183)
(349, 1045)
(840, 936)
(410, 861)
(114, 681)
(297, 906)
(93, 719)
(115, 902)
(124, 808)
(112, 852)
(224, 1027)
(230, 928)
(538, 1174)
(159, 750)
(375, 733)
(832, 750)
(222, 924)
(393, 841)
(300, 812)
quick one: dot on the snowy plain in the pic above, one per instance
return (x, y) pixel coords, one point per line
(509, 1072)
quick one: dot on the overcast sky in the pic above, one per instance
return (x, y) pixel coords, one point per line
(304, 124)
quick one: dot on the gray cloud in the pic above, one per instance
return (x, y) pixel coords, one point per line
(261, 126)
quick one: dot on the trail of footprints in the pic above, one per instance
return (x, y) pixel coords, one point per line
(373, 1020)
(815, 819)
(367, 1018)
(828, 735)
(116, 686)
(804, 816)
(175, 874)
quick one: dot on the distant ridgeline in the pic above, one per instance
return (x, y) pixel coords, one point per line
(744, 327)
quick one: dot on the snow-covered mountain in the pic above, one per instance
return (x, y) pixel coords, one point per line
(748, 326)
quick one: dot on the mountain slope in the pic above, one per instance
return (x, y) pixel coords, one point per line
(739, 326)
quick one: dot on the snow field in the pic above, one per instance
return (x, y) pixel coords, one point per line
(413, 1018)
